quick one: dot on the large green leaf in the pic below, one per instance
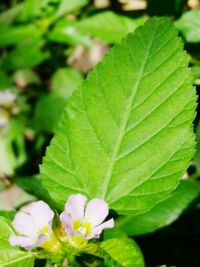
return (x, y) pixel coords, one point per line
(109, 26)
(12, 256)
(189, 25)
(164, 213)
(122, 253)
(126, 135)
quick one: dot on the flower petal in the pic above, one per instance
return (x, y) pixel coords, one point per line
(41, 214)
(75, 206)
(98, 229)
(42, 238)
(67, 221)
(25, 242)
(106, 225)
(24, 224)
(96, 211)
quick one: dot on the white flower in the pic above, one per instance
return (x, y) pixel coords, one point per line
(84, 220)
(7, 98)
(3, 121)
(35, 227)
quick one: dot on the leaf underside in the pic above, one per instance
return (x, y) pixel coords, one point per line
(126, 134)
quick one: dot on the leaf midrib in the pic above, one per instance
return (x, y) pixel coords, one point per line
(14, 261)
(124, 122)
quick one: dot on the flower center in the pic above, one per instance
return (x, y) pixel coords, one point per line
(83, 229)
(44, 230)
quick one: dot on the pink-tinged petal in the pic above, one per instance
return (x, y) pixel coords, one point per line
(67, 221)
(41, 239)
(75, 206)
(96, 211)
(25, 242)
(41, 214)
(106, 225)
(24, 224)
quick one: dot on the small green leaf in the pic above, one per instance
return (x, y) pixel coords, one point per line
(126, 135)
(69, 6)
(164, 213)
(7, 161)
(27, 54)
(189, 25)
(65, 81)
(123, 252)
(12, 134)
(12, 256)
(33, 9)
(65, 31)
(47, 119)
(8, 16)
(12, 35)
(109, 26)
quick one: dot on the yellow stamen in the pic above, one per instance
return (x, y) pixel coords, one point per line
(87, 227)
(84, 229)
(76, 225)
(52, 244)
(44, 230)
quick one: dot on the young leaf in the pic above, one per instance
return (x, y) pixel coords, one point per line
(27, 54)
(189, 25)
(109, 26)
(12, 256)
(65, 31)
(126, 135)
(12, 35)
(65, 81)
(164, 213)
(70, 6)
(8, 16)
(47, 119)
(124, 252)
